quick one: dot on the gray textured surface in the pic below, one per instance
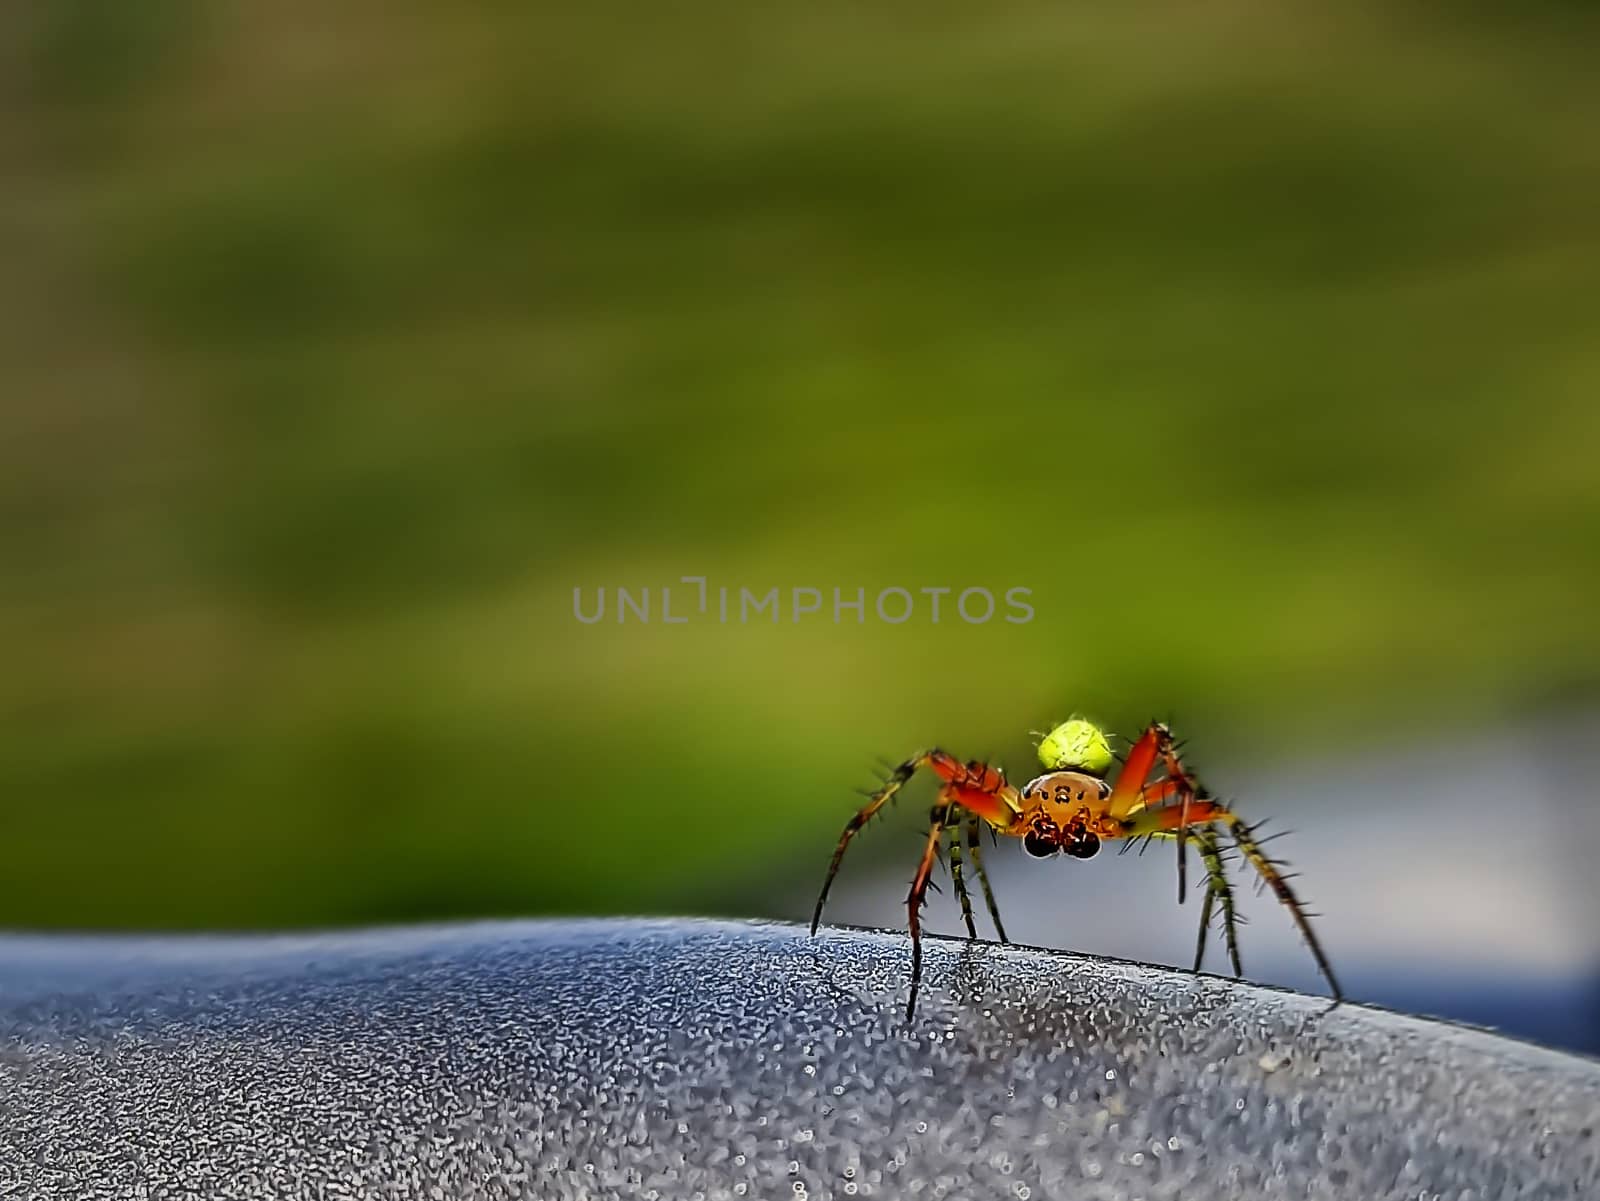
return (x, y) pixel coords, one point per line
(711, 1060)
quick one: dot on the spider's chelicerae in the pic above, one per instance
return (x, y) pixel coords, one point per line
(1072, 808)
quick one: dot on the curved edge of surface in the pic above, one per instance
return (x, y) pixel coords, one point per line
(675, 1058)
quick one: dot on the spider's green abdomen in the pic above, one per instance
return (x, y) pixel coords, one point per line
(1076, 745)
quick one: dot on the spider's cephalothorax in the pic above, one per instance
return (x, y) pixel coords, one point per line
(1058, 809)
(1071, 809)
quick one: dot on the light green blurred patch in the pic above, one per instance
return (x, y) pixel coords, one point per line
(340, 345)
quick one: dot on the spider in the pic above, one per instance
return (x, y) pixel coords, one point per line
(1072, 808)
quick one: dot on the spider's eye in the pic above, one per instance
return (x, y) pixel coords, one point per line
(1039, 848)
(1086, 847)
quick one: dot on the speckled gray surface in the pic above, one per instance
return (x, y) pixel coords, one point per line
(676, 1060)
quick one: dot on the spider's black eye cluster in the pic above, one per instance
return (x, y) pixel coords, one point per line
(1042, 845)
(1039, 847)
(1086, 847)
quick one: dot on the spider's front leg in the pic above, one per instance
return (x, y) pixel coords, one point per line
(980, 789)
(914, 902)
(948, 815)
(875, 801)
(1268, 869)
(1133, 790)
(952, 818)
(1219, 891)
(1167, 821)
(975, 846)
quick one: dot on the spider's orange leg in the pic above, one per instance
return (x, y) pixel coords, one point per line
(876, 801)
(976, 787)
(914, 901)
(974, 829)
(1131, 792)
(1189, 791)
(1161, 790)
(1163, 822)
(1127, 791)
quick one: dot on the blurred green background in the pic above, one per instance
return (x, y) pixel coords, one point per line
(338, 345)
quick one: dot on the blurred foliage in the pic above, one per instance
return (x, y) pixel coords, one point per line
(337, 345)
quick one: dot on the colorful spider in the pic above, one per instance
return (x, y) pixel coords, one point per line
(1073, 808)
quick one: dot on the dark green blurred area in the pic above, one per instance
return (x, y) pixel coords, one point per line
(338, 346)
